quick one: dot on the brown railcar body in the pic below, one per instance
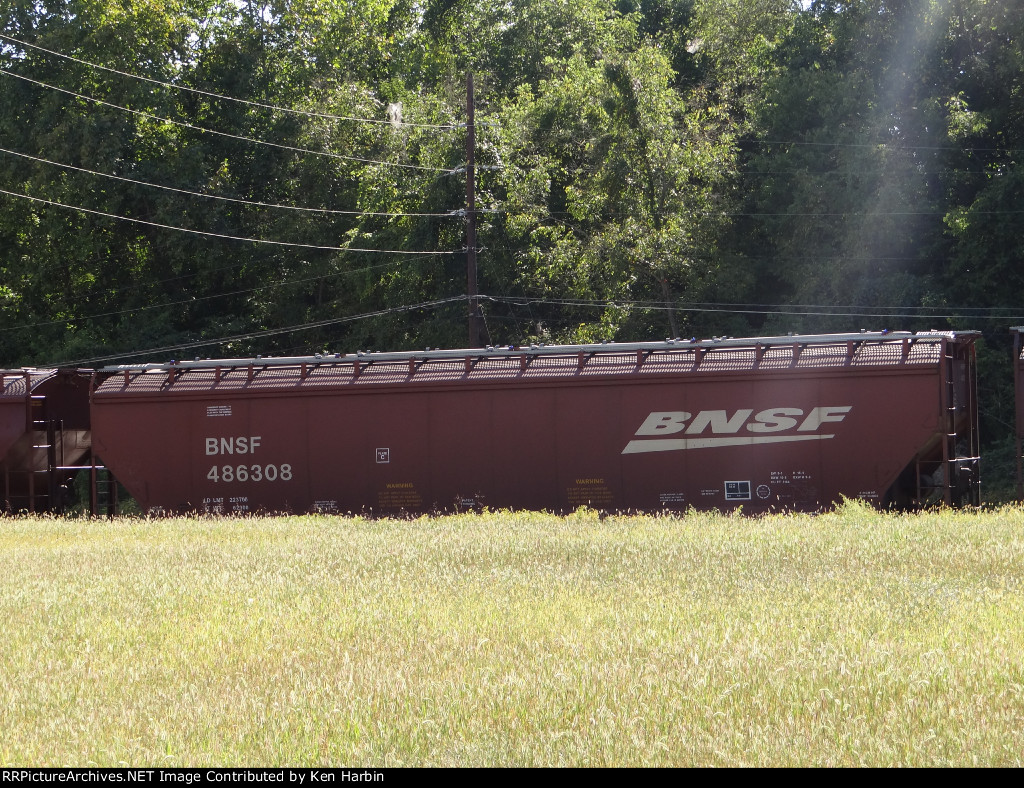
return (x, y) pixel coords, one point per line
(770, 423)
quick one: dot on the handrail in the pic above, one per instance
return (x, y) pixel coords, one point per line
(362, 358)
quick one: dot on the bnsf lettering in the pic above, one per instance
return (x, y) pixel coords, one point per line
(775, 420)
(662, 423)
(718, 421)
(819, 416)
(240, 445)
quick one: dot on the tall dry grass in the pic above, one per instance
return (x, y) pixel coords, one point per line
(849, 638)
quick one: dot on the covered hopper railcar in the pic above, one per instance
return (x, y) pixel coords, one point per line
(768, 423)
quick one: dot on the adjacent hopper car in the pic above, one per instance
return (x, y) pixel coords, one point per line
(766, 424)
(44, 435)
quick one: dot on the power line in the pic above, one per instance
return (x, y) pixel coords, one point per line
(713, 306)
(685, 304)
(791, 214)
(455, 213)
(740, 172)
(205, 130)
(217, 196)
(208, 94)
(215, 235)
(265, 333)
(729, 304)
(855, 214)
(661, 306)
(459, 213)
(882, 144)
(568, 136)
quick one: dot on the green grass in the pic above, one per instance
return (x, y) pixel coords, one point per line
(849, 638)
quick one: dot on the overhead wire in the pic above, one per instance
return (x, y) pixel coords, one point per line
(208, 234)
(825, 173)
(204, 195)
(197, 194)
(831, 306)
(390, 122)
(730, 304)
(792, 214)
(723, 214)
(223, 97)
(662, 306)
(506, 299)
(709, 306)
(264, 333)
(228, 135)
(568, 135)
(529, 302)
(900, 145)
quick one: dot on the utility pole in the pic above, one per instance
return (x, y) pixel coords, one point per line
(475, 317)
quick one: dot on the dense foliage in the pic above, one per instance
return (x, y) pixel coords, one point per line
(645, 168)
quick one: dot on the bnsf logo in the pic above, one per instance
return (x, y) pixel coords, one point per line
(240, 445)
(742, 429)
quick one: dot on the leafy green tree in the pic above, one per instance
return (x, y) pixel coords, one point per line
(606, 192)
(842, 206)
(58, 264)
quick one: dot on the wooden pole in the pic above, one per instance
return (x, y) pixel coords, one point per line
(475, 317)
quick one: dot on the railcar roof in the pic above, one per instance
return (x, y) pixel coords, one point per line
(537, 362)
(19, 382)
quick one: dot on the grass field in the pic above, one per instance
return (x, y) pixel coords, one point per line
(849, 638)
